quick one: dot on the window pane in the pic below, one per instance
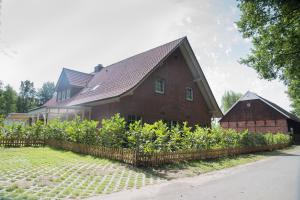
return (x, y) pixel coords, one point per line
(160, 86)
(59, 96)
(68, 94)
(63, 95)
(189, 94)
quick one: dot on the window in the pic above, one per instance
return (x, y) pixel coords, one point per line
(63, 96)
(172, 123)
(59, 96)
(160, 86)
(95, 87)
(189, 94)
(133, 118)
(68, 94)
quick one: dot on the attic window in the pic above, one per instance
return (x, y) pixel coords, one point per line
(95, 87)
(189, 94)
(248, 105)
(160, 86)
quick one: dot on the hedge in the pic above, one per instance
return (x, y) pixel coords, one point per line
(156, 137)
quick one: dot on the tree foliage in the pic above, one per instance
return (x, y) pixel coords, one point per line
(274, 29)
(46, 92)
(8, 98)
(27, 97)
(228, 99)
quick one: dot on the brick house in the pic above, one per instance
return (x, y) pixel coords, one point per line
(164, 83)
(257, 114)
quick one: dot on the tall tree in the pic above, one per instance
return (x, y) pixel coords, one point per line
(1, 98)
(10, 100)
(274, 29)
(27, 97)
(228, 99)
(46, 92)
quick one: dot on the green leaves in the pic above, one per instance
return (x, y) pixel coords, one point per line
(147, 138)
(228, 99)
(274, 29)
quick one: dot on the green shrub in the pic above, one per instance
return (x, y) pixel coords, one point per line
(113, 132)
(148, 138)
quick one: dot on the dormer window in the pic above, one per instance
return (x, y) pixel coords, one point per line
(189, 94)
(63, 95)
(160, 86)
(68, 94)
(95, 87)
(59, 96)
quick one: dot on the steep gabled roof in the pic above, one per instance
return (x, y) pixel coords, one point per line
(118, 78)
(253, 96)
(75, 78)
(123, 77)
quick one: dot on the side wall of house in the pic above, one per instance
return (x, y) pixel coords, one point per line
(171, 105)
(256, 116)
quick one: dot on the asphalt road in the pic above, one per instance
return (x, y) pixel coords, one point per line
(276, 178)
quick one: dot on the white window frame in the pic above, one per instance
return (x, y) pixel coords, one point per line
(160, 89)
(189, 97)
(68, 96)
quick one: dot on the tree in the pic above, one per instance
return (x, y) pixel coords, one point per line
(228, 99)
(46, 92)
(27, 97)
(274, 29)
(1, 98)
(9, 100)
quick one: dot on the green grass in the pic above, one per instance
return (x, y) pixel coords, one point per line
(41, 173)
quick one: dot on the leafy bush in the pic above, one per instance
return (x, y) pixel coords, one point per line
(112, 133)
(156, 137)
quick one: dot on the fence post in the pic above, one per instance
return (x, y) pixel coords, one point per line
(137, 149)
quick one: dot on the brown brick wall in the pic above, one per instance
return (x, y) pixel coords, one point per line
(170, 106)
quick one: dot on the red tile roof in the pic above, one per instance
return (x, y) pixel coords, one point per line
(119, 78)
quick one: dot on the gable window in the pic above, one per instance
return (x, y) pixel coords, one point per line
(160, 86)
(68, 94)
(189, 94)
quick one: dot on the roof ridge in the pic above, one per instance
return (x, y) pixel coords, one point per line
(182, 38)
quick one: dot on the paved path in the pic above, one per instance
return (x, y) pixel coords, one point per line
(276, 178)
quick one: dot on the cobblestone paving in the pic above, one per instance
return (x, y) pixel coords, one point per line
(44, 173)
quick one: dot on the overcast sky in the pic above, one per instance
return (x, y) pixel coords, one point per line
(39, 37)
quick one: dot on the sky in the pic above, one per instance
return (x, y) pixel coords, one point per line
(40, 37)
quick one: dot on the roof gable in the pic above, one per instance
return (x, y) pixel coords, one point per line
(74, 78)
(253, 96)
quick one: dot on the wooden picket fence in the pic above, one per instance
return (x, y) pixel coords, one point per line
(120, 154)
(138, 158)
(21, 143)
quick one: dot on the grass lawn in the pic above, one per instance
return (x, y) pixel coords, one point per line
(45, 173)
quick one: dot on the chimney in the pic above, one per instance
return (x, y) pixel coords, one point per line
(98, 68)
